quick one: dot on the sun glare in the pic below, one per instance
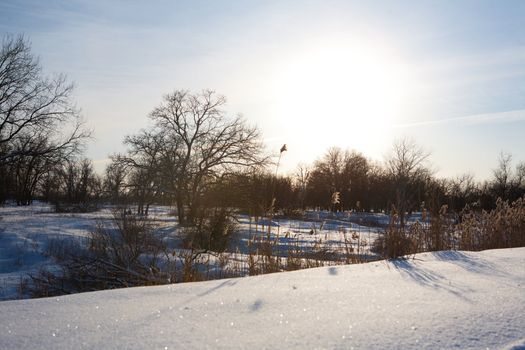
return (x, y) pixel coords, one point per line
(350, 93)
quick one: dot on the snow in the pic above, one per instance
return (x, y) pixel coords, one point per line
(27, 233)
(434, 300)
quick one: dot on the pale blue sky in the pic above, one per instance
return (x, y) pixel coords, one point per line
(311, 74)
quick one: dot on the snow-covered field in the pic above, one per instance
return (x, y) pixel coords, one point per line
(26, 233)
(436, 300)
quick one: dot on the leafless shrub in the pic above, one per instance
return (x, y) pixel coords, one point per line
(44, 284)
(213, 231)
(127, 254)
(190, 260)
(396, 241)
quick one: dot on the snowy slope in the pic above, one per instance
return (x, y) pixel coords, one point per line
(438, 300)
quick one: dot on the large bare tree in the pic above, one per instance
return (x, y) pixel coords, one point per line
(34, 107)
(200, 143)
(40, 126)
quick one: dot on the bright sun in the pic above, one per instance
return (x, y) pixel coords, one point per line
(354, 93)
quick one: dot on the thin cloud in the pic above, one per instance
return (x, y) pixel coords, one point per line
(503, 57)
(487, 118)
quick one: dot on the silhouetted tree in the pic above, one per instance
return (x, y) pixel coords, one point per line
(301, 178)
(508, 184)
(342, 172)
(148, 159)
(208, 144)
(80, 186)
(32, 106)
(114, 182)
(502, 176)
(39, 124)
(405, 165)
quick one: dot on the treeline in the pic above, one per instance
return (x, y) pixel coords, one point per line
(404, 181)
(340, 180)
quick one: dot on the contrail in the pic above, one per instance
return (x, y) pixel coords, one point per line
(497, 117)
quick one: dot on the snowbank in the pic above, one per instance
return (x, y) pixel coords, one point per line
(437, 300)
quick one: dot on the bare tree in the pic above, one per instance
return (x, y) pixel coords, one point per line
(40, 127)
(34, 107)
(114, 181)
(462, 190)
(302, 176)
(344, 172)
(508, 184)
(355, 175)
(503, 175)
(325, 178)
(406, 164)
(520, 175)
(208, 143)
(27, 170)
(148, 158)
(79, 186)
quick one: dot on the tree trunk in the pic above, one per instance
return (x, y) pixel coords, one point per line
(180, 210)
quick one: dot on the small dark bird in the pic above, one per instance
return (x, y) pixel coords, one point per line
(283, 149)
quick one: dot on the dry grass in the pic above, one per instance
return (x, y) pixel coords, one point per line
(502, 227)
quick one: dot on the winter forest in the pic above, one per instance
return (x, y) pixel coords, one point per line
(317, 253)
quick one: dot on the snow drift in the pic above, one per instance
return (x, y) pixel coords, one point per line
(448, 299)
